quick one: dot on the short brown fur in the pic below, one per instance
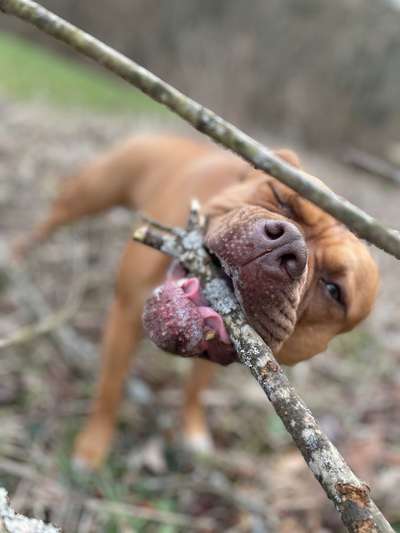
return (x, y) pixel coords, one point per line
(160, 175)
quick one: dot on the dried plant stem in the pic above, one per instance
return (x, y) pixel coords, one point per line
(93, 505)
(30, 332)
(150, 515)
(55, 323)
(373, 165)
(207, 122)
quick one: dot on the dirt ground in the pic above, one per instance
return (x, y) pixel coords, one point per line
(256, 480)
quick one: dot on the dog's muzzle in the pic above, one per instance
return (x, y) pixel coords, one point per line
(283, 251)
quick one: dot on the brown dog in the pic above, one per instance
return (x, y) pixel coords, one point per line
(301, 276)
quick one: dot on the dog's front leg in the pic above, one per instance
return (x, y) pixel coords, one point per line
(196, 435)
(140, 269)
(120, 338)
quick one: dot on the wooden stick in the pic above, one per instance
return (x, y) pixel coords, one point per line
(350, 496)
(11, 522)
(373, 165)
(206, 121)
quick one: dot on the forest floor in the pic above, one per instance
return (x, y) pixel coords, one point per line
(256, 480)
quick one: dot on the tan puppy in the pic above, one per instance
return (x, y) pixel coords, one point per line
(301, 276)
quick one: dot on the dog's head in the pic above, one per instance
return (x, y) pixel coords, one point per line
(300, 275)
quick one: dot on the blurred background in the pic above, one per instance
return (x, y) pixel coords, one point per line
(320, 77)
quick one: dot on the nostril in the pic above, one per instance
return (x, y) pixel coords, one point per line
(294, 263)
(290, 263)
(288, 259)
(274, 229)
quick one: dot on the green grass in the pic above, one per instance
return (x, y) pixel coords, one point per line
(29, 71)
(110, 484)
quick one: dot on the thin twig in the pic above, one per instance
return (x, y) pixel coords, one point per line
(208, 122)
(372, 164)
(350, 496)
(168, 229)
(48, 324)
(102, 506)
(77, 349)
(150, 515)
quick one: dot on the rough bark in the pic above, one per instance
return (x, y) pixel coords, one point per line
(350, 496)
(11, 522)
(207, 122)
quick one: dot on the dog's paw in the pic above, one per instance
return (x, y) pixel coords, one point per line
(80, 467)
(199, 443)
(91, 448)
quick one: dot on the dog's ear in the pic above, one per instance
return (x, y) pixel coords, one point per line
(289, 156)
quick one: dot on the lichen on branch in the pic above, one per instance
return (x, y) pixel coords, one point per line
(12, 522)
(350, 496)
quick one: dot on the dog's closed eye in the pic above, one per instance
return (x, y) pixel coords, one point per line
(283, 206)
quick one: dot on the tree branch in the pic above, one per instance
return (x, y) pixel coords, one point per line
(11, 522)
(350, 496)
(207, 122)
(372, 164)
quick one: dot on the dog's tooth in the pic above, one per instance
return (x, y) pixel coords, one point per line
(210, 335)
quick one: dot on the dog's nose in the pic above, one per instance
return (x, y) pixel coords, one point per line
(288, 248)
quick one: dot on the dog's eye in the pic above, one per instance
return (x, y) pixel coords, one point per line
(334, 291)
(284, 206)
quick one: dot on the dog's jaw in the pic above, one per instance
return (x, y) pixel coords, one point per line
(274, 314)
(266, 261)
(268, 293)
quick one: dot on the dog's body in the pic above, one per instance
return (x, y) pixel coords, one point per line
(301, 277)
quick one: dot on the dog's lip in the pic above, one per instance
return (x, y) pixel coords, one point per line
(259, 325)
(228, 274)
(219, 265)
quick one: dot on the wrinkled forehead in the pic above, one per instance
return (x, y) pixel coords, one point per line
(309, 213)
(338, 253)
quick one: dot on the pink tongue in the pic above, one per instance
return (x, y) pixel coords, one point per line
(191, 288)
(214, 321)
